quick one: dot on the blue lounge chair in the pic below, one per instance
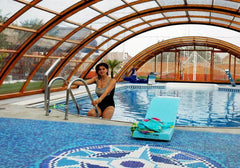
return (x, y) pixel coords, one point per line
(164, 108)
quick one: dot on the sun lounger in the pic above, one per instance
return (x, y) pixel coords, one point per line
(165, 109)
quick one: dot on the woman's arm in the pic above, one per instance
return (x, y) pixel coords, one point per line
(89, 81)
(107, 91)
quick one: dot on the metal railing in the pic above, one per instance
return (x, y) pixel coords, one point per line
(46, 94)
(69, 91)
(47, 99)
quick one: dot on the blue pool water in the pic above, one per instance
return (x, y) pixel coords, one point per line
(205, 107)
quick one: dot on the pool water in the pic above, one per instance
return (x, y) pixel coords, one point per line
(198, 107)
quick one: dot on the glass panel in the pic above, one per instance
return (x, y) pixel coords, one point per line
(34, 85)
(90, 46)
(81, 69)
(200, 2)
(106, 5)
(229, 4)
(140, 27)
(61, 30)
(8, 8)
(158, 66)
(108, 44)
(122, 12)
(178, 13)
(145, 5)
(237, 71)
(100, 39)
(199, 19)
(120, 56)
(33, 18)
(221, 62)
(159, 22)
(219, 21)
(57, 5)
(41, 47)
(221, 16)
(151, 17)
(98, 24)
(113, 31)
(11, 86)
(168, 65)
(129, 1)
(198, 13)
(21, 71)
(68, 68)
(235, 25)
(197, 64)
(4, 57)
(94, 56)
(236, 19)
(123, 35)
(84, 15)
(232, 66)
(64, 49)
(81, 34)
(148, 67)
(167, 2)
(183, 67)
(80, 55)
(12, 39)
(178, 20)
(37, 81)
(39, 75)
(132, 22)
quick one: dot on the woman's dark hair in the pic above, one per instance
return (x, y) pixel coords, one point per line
(101, 64)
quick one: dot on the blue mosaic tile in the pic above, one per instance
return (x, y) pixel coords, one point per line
(114, 156)
(236, 90)
(27, 143)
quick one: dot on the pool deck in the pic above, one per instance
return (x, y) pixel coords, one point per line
(20, 107)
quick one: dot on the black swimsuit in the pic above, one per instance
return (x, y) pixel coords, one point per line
(108, 100)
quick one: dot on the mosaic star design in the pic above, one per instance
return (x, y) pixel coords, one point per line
(120, 156)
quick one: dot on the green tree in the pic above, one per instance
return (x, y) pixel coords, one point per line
(3, 18)
(113, 64)
(32, 23)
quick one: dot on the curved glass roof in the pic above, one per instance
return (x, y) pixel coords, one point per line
(34, 33)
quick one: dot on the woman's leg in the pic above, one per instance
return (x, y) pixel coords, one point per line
(108, 112)
(92, 112)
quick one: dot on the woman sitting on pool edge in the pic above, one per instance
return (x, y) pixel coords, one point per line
(105, 87)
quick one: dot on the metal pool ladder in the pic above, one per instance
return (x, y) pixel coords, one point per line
(47, 93)
(69, 91)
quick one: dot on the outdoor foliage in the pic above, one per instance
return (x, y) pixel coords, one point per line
(113, 64)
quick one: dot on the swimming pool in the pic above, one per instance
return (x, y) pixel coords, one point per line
(202, 105)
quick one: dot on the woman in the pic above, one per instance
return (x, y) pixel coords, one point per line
(105, 87)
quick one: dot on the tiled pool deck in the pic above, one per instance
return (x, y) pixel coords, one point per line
(28, 138)
(38, 143)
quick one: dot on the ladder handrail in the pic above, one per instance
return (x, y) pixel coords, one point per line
(46, 75)
(47, 99)
(69, 91)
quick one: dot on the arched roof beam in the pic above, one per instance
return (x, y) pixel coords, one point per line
(44, 29)
(231, 13)
(166, 45)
